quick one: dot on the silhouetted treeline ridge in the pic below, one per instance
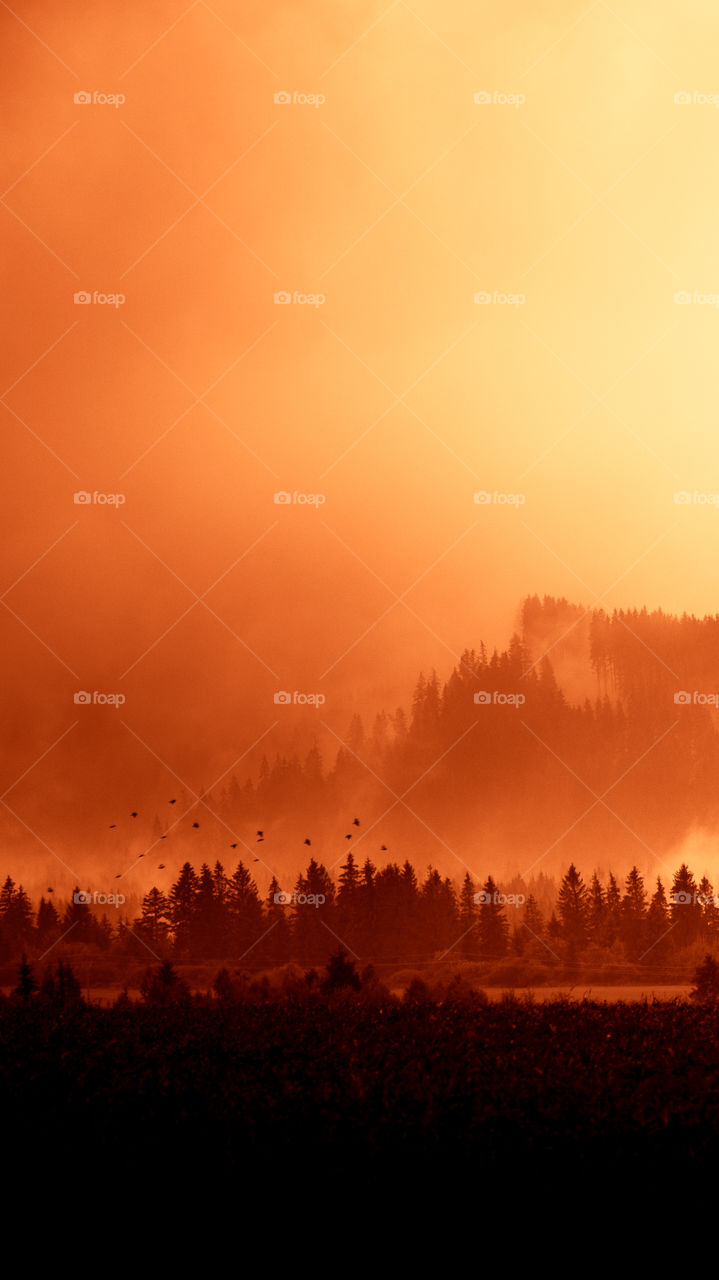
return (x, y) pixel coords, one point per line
(381, 915)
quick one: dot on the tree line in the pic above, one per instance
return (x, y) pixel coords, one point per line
(385, 914)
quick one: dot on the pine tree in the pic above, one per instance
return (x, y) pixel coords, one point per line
(26, 982)
(493, 928)
(572, 905)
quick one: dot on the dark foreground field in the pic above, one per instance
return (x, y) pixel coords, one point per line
(508, 1090)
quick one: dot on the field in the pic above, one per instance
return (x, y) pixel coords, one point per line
(375, 1090)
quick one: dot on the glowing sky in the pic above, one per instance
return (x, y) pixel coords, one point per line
(582, 188)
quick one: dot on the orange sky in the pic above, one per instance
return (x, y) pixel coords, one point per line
(397, 199)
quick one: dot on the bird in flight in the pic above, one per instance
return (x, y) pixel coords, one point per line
(384, 848)
(161, 866)
(112, 824)
(308, 842)
(173, 802)
(51, 890)
(195, 824)
(355, 822)
(133, 815)
(349, 837)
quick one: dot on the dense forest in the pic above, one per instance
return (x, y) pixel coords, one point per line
(591, 732)
(386, 916)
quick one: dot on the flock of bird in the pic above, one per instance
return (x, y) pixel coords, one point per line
(259, 840)
(161, 866)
